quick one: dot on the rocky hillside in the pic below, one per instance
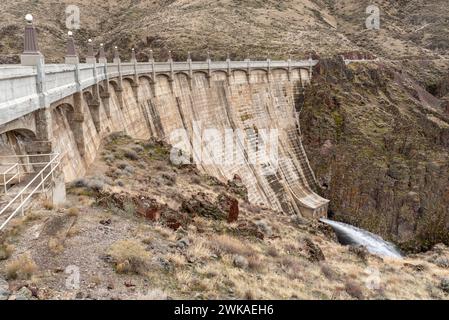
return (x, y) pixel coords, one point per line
(255, 28)
(377, 135)
(379, 144)
(138, 227)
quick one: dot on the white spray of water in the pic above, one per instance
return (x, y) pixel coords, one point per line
(372, 242)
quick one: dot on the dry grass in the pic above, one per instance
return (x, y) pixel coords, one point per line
(129, 256)
(153, 294)
(328, 272)
(48, 204)
(256, 264)
(73, 212)
(272, 268)
(56, 245)
(164, 231)
(5, 251)
(224, 244)
(272, 251)
(354, 289)
(176, 259)
(199, 250)
(74, 231)
(23, 267)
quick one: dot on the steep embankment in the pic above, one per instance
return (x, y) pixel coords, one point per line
(379, 145)
(139, 227)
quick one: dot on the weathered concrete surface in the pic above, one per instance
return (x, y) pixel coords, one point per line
(145, 108)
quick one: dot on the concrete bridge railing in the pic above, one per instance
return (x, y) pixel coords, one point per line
(33, 85)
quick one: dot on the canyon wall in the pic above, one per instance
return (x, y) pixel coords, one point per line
(379, 146)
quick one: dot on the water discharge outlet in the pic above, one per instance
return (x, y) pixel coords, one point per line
(350, 235)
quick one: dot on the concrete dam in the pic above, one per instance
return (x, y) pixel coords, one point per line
(67, 109)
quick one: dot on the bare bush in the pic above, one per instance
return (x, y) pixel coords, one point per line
(354, 289)
(23, 267)
(224, 244)
(131, 154)
(129, 256)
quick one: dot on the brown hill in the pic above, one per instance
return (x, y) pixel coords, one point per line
(253, 27)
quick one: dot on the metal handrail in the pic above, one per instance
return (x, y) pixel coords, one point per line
(5, 173)
(53, 164)
(27, 155)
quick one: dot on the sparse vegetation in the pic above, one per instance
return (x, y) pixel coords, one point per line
(198, 256)
(73, 211)
(129, 256)
(23, 267)
(354, 289)
(56, 245)
(131, 154)
(225, 244)
(48, 204)
(5, 251)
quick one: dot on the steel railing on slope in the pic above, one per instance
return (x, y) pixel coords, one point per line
(15, 174)
(31, 188)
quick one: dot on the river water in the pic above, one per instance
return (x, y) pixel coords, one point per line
(350, 235)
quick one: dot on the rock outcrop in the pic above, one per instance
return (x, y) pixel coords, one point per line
(378, 143)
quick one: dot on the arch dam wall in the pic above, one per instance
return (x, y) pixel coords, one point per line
(70, 108)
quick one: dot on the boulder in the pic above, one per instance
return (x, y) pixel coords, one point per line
(200, 204)
(444, 284)
(24, 294)
(230, 205)
(4, 289)
(314, 252)
(240, 262)
(442, 262)
(183, 243)
(148, 208)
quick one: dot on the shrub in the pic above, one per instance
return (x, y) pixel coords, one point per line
(129, 208)
(5, 251)
(131, 154)
(360, 251)
(129, 256)
(226, 244)
(79, 183)
(23, 267)
(264, 228)
(273, 252)
(354, 289)
(328, 272)
(170, 179)
(138, 148)
(109, 158)
(126, 167)
(56, 245)
(122, 165)
(95, 183)
(73, 212)
(48, 205)
(196, 180)
(240, 262)
(154, 294)
(255, 263)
